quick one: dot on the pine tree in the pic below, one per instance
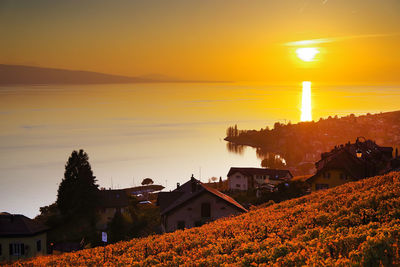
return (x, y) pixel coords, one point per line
(78, 191)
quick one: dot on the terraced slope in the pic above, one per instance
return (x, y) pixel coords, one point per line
(356, 223)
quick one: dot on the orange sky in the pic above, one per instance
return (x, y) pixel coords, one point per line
(209, 40)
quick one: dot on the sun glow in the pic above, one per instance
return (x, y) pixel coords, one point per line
(307, 54)
(306, 102)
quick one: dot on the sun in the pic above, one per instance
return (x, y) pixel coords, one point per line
(307, 54)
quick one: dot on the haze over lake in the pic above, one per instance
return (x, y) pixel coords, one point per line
(163, 131)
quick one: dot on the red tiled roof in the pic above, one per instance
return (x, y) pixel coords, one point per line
(223, 196)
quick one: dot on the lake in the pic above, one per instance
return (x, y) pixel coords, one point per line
(165, 131)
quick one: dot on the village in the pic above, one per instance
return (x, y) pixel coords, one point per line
(144, 210)
(300, 145)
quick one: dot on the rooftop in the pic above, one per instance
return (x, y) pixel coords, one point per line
(19, 225)
(113, 198)
(374, 159)
(272, 173)
(171, 200)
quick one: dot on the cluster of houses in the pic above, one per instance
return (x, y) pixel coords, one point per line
(117, 200)
(352, 162)
(195, 203)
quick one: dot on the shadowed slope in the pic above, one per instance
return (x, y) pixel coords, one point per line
(358, 222)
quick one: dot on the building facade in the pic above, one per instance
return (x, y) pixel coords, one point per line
(21, 237)
(111, 202)
(243, 179)
(193, 204)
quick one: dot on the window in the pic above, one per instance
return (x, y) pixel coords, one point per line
(343, 176)
(321, 186)
(238, 176)
(39, 245)
(205, 210)
(181, 225)
(238, 185)
(17, 249)
(223, 208)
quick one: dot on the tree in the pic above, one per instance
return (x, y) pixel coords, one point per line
(49, 215)
(117, 228)
(147, 181)
(78, 191)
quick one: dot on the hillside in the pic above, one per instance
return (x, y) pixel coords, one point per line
(356, 223)
(30, 75)
(301, 144)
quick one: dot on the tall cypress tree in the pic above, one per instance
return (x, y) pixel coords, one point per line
(78, 191)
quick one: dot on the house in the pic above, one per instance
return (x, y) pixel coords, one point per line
(243, 179)
(21, 237)
(193, 204)
(350, 162)
(117, 200)
(111, 202)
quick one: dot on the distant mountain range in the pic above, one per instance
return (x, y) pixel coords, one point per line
(29, 75)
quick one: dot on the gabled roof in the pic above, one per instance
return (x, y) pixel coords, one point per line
(272, 173)
(113, 198)
(345, 162)
(19, 225)
(344, 158)
(188, 191)
(301, 178)
(223, 196)
(165, 199)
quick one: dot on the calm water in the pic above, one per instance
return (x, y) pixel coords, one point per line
(163, 131)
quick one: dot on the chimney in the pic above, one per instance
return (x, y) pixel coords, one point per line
(193, 183)
(178, 185)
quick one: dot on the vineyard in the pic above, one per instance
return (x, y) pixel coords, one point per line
(354, 224)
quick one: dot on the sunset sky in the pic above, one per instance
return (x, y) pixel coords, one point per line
(208, 40)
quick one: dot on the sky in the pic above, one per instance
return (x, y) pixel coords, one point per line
(207, 40)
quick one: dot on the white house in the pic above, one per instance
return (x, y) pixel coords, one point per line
(243, 179)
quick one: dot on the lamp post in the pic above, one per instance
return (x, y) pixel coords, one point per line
(359, 154)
